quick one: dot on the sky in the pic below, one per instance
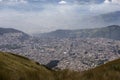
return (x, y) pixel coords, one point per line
(45, 17)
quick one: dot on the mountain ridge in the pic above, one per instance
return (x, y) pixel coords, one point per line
(104, 32)
(13, 32)
(9, 30)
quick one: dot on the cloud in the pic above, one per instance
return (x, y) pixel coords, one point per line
(104, 8)
(112, 1)
(62, 2)
(115, 1)
(107, 1)
(47, 17)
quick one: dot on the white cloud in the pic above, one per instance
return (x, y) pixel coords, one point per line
(115, 1)
(112, 1)
(62, 2)
(104, 8)
(107, 1)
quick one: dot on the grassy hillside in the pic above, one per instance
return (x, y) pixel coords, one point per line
(15, 67)
(109, 71)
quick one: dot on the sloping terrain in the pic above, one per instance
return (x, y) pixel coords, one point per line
(14, 67)
(7, 33)
(108, 71)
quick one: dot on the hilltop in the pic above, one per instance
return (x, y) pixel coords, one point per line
(10, 32)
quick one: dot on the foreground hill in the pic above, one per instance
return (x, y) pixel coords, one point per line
(15, 67)
(110, 32)
(108, 71)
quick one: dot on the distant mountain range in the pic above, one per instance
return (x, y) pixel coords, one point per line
(111, 32)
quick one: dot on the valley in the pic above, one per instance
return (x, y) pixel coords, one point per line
(60, 52)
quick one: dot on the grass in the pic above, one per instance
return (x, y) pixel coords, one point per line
(15, 67)
(109, 71)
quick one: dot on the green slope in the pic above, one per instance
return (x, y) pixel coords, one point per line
(14, 67)
(109, 71)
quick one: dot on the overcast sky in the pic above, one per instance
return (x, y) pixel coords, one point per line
(37, 18)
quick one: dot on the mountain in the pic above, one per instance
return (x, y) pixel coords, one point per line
(110, 32)
(10, 32)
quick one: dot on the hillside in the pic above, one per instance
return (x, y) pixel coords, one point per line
(14, 67)
(110, 32)
(108, 71)
(10, 32)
